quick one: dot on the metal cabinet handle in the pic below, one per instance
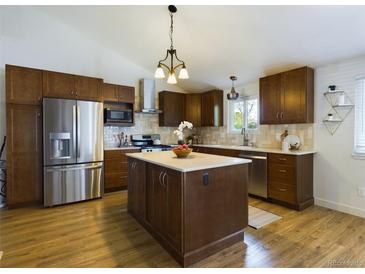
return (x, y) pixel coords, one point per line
(282, 159)
(123, 177)
(281, 115)
(277, 115)
(282, 189)
(282, 170)
(163, 179)
(159, 177)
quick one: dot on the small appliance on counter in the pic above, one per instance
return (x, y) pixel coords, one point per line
(149, 142)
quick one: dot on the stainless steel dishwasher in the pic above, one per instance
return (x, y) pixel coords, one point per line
(257, 172)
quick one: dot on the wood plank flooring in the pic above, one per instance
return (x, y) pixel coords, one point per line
(100, 233)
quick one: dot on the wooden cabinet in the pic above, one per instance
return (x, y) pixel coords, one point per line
(68, 86)
(290, 179)
(116, 169)
(212, 108)
(191, 214)
(270, 99)
(172, 105)
(137, 188)
(193, 106)
(118, 93)
(23, 85)
(217, 151)
(288, 97)
(24, 154)
(164, 203)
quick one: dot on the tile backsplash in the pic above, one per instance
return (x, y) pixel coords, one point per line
(144, 124)
(268, 136)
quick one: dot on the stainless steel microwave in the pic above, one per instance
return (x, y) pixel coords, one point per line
(115, 116)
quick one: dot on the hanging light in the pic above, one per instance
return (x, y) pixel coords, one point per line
(171, 69)
(233, 95)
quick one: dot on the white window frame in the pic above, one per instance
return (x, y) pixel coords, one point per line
(231, 129)
(359, 121)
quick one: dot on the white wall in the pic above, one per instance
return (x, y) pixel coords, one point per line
(336, 174)
(31, 38)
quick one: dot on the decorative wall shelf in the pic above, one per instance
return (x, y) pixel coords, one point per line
(340, 109)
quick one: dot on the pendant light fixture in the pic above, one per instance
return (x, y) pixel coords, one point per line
(233, 95)
(171, 69)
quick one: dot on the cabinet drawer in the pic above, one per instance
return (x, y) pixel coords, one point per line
(115, 165)
(113, 180)
(282, 192)
(118, 154)
(282, 159)
(283, 173)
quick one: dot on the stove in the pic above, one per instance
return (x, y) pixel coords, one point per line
(149, 142)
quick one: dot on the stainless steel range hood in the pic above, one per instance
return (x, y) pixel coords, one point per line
(147, 95)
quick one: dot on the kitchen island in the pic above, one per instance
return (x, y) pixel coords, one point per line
(193, 207)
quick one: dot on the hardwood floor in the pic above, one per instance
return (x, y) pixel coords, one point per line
(100, 233)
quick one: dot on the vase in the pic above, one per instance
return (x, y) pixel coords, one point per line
(180, 142)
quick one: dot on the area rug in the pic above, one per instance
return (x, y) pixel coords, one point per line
(258, 218)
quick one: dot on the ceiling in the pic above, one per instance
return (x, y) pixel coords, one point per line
(218, 41)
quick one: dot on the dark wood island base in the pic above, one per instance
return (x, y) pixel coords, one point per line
(191, 214)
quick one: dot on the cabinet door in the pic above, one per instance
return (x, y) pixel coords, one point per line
(172, 105)
(270, 99)
(110, 93)
(88, 88)
(24, 154)
(294, 96)
(126, 94)
(58, 85)
(23, 85)
(137, 188)
(212, 108)
(193, 103)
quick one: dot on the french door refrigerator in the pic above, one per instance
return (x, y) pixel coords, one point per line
(73, 151)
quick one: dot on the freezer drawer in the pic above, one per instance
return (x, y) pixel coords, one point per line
(72, 183)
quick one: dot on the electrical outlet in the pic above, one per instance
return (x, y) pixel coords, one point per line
(361, 191)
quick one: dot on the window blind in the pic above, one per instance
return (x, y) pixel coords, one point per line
(359, 144)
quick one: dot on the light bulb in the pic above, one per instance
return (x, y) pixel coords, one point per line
(183, 73)
(171, 79)
(159, 73)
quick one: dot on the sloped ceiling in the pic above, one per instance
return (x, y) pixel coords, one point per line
(219, 41)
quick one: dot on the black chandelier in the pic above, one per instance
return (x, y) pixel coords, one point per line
(171, 69)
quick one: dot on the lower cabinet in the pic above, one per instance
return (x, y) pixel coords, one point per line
(116, 169)
(163, 194)
(137, 188)
(290, 180)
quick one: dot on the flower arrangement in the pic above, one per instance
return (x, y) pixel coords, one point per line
(180, 130)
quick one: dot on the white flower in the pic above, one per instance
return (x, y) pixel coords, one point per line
(179, 132)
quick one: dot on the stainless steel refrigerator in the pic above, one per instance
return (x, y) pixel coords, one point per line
(73, 150)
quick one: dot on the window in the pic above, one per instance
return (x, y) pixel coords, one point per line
(359, 142)
(243, 113)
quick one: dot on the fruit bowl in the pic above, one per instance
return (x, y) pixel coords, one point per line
(182, 151)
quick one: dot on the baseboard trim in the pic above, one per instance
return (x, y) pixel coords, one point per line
(340, 207)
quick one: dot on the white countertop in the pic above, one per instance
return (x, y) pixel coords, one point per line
(121, 148)
(195, 161)
(268, 150)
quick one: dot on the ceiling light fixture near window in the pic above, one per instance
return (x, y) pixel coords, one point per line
(171, 69)
(233, 95)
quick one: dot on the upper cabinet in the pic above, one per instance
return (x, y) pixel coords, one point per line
(23, 85)
(68, 86)
(288, 97)
(193, 106)
(118, 93)
(172, 105)
(212, 108)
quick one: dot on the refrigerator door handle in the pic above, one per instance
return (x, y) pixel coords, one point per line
(78, 167)
(78, 132)
(74, 125)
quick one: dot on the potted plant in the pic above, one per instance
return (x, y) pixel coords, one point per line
(182, 150)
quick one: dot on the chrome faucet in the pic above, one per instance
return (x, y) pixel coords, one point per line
(245, 137)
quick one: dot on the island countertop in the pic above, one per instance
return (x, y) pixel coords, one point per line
(195, 161)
